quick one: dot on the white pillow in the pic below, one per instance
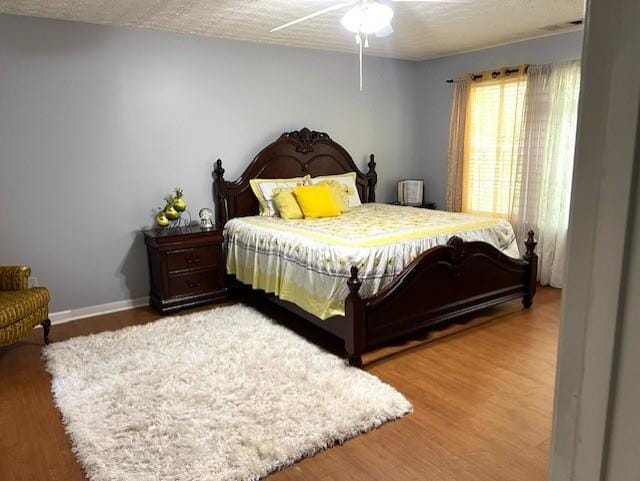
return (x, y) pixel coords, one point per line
(348, 179)
(265, 189)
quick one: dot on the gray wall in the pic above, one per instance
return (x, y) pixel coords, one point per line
(98, 123)
(435, 95)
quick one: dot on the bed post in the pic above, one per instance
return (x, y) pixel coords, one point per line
(531, 273)
(354, 317)
(372, 179)
(220, 189)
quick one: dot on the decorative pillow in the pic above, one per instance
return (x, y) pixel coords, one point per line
(340, 193)
(264, 191)
(348, 180)
(287, 205)
(316, 201)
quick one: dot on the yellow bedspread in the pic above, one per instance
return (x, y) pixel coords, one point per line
(307, 261)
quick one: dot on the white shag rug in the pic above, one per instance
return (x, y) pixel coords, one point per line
(226, 394)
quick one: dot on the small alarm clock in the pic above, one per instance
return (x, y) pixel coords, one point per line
(205, 218)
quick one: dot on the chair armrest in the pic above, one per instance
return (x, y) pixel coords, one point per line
(14, 278)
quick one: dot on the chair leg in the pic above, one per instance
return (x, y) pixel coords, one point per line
(46, 327)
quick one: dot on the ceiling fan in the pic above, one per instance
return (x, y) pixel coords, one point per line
(366, 17)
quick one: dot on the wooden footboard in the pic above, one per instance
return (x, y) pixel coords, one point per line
(442, 284)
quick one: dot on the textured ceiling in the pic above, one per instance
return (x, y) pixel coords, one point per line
(422, 30)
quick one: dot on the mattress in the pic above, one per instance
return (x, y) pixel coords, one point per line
(308, 261)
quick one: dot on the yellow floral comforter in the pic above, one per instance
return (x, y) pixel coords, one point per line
(307, 261)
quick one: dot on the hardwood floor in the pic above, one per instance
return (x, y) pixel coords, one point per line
(482, 394)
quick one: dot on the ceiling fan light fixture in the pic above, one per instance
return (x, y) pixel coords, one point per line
(367, 18)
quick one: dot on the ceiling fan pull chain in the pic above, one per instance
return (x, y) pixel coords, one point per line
(361, 66)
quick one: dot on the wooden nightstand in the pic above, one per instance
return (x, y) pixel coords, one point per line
(186, 266)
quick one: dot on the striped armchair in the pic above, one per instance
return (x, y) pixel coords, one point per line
(21, 308)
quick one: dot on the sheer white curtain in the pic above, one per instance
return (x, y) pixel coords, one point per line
(541, 199)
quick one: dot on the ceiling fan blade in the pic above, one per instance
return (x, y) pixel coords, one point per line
(312, 15)
(384, 31)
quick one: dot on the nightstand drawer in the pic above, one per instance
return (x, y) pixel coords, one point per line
(194, 283)
(194, 257)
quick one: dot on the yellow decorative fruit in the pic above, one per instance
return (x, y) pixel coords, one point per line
(178, 201)
(161, 219)
(171, 213)
(179, 204)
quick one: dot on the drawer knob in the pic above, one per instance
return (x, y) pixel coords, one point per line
(193, 260)
(193, 284)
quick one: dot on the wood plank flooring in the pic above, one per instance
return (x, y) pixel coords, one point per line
(482, 394)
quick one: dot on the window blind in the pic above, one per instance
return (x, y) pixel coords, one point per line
(493, 139)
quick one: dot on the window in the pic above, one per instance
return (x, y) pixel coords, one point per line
(511, 149)
(493, 139)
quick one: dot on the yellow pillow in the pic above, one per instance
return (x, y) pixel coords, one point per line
(340, 193)
(264, 189)
(348, 180)
(287, 205)
(316, 201)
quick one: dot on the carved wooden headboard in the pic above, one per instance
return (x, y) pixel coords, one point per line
(294, 154)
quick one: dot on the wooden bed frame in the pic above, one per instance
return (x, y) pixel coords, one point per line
(442, 284)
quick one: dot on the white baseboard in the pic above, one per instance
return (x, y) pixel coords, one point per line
(89, 311)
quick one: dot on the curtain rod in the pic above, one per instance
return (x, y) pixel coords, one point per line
(494, 74)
